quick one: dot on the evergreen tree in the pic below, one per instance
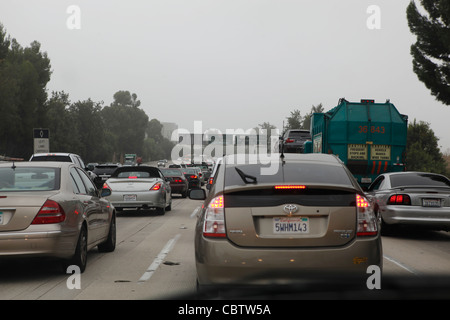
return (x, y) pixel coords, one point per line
(423, 153)
(431, 52)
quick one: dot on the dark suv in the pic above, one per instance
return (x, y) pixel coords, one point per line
(103, 172)
(293, 140)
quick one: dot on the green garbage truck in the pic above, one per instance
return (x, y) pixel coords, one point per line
(369, 137)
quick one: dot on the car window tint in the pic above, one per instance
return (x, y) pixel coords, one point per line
(376, 184)
(171, 172)
(419, 179)
(303, 173)
(133, 174)
(90, 188)
(298, 134)
(74, 184)
(51, 158)
(29, 179)
(270, 197)
(78, 181)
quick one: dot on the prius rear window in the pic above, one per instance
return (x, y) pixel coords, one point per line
(299, 173)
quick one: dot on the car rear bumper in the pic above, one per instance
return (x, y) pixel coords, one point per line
(421, 216)
(178, 188)
(221, 263)
(35, 242)
(142, 200)
(293, 149)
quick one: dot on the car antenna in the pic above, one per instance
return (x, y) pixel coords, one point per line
(245, 176)
(13, 166)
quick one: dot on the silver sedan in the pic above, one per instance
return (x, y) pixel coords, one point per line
(53, 209)
(139, 187)
(411, 198)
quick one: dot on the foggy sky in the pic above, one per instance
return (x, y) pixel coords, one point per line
(229, 63)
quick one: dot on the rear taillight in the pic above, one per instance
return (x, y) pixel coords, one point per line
(106, 186)
(157, 186)
(50, 212)
(399, 199)
(214, 223)
(289, 140)
(211, 180)
(193, 177)
(367, 222)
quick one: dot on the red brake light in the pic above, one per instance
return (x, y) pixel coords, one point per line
(193, 177)
(361, 202)
(289, 140)
(280, 187)
(50, 212)
(402, 199)
(157, 186)
(132, 177)
(367, 222)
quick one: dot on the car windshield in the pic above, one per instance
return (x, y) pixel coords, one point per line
(29, 179)
(419, 179)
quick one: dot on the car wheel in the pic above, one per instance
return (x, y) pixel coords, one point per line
(161, 211)
(169, 207)
(110, 244)
(80, 257)
(184, 194)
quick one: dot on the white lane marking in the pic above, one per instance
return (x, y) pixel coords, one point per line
(194, 213)
(159, 259)
(401, 265)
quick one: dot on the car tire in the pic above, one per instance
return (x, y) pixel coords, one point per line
(161, 211)
(184, 194)
(110, 244)
(169, 207)
(80, 256)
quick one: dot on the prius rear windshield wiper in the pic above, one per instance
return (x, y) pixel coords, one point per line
(245, 177)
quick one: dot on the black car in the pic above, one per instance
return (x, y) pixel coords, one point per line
(103, 172)
(293, 140)
(191, 175)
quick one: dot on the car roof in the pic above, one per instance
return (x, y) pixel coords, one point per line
(48, 164)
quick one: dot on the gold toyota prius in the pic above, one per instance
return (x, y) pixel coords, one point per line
(275, 223)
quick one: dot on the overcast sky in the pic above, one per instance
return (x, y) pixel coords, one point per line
(229, 63)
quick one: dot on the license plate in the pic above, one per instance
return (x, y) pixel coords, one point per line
(290, 225)
(129, 197)
(431, 202)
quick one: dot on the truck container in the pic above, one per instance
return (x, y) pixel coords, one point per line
(369, 137)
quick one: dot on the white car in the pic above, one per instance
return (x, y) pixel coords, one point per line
(139, 187)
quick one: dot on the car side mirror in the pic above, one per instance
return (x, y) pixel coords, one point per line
(105, 192)
(197, 194)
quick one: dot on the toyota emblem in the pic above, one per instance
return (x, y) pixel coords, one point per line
(290, 208)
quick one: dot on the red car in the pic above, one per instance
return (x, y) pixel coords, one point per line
(178, 182)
